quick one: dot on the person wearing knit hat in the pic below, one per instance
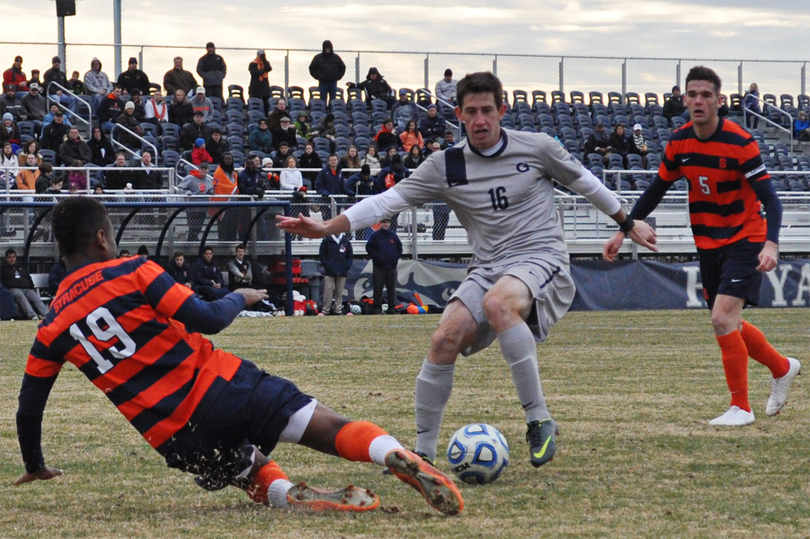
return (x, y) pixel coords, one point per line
(199, 143)
(133, 78)
(200, 154)
(212, 69)
(129, 106)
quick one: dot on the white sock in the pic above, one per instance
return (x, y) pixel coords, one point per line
(380, 446)
(277, 493)
(433, 387)
(519, 349)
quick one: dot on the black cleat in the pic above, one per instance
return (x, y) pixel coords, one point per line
(541, 436)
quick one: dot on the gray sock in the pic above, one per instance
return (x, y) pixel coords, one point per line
(433, 387)
(520, 352)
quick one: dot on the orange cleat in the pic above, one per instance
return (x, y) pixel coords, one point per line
(437, 488)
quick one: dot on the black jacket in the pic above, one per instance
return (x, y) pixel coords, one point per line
(15, 276)
(327, 66)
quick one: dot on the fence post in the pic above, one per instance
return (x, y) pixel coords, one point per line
(804, 72)
(562, 74)
(740, 78)
(140, 59)
(357, 68)
(414, 230)
(495, 65)
(624, 77)
(287, 73)
(427, 70)
(678, 74)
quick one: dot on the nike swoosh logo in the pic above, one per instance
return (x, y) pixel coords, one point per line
(527, 405)
(736, 280)
(422, 431)
(685, 159)
(539, 454)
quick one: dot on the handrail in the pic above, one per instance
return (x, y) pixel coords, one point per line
(456, 127)
(118, 144)
(746, 111)
(61, 106)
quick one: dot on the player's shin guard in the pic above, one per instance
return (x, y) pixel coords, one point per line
(268, 476)
(761, 350)
(520, 352)
(433, 387)
(735, 365)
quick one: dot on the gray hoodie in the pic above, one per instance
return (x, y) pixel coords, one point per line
(97, 82)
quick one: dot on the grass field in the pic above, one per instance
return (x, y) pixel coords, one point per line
(632, 393)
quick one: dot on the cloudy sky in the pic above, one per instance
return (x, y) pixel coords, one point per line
(688, 29)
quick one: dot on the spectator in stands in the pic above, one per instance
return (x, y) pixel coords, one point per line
(446, 88)
(110, 108)
(336, 256)
(9, 132)
(9, 166)
(9, 102)
(77, 179)
(375, 86)
(351, 159)
(36, 106)
(311, 160)
(96, 82)
(155, 111)
(27, 179)
(361, 183)
(55, 275)
(722, 106)
(49, 117)
(328, 68)
(76, 85)
(179, 270)
(30, 148)
(433, 125)
(274, 118)
(180, 110)
(372, 159)
(273, 180)
(200, 154)
(55, 188)
(433, 147)
(404, 110)
(123, 253)
(259, 82)
(385, 249)
(130, 122)
(178, 78)
(751, 102)
(197, 183)
(240, 273)
(619, 144)
(385, 160)
(280, 158)
(291, 178)
(74, 149)
(411, 136)
(330, 182)
(598, 142)
(133, 78)
(208, 280)
(15, 75)
(200, 103)
(414, 157)
(674, 105)
(225, 185)
(149, 177)
(302, 127)
(449, 140)
(638, 145)
(391, 175)
(34, 78)
(44, 180)
(251, 180)
(284, 132)
(101, 150)
(119, 179)
(18, 281)
(137, 99)
(212, 69)
(55, 133)
(801, 127)
(216, 146)
(57, 76)
(326, 128)
(194, 130)
(260, 139)
(387, 135)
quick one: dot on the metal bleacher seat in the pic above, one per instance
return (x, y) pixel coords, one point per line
(169, 142)
(538, 96)
(255, 103)
(317, 105)
(576, 97)
(633, 161)
(508, 121)
(48, 156)
(234, 116)
(236, 91)
(234, 103)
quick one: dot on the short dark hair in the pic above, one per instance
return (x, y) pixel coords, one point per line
(240, 246)
(45, 168)
(178, 253)
(208, 249)
(10, 252)
(143, 250)
(704, 73)
(483, 82)
(75, 221)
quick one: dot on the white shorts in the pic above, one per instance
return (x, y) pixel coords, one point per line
(551, 287)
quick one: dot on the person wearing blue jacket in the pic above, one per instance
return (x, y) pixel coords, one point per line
(330, 182)
(261, 139)
(385, 250)
(336, 256)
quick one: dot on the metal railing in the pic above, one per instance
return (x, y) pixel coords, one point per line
(778, 126)
(121, 146)
(76, 115)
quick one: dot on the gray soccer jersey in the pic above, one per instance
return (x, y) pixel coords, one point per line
(506, 201)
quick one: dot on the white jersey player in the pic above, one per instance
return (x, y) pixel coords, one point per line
(500, 185)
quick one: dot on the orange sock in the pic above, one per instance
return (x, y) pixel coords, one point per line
(354, 439)
(735, 365)
(257, 491)
(761, 350)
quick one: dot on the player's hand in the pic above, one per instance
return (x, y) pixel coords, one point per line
(644, 235)
(768, 257)
(42, 475)
(251, 295)
(611, 248)
(301, 225)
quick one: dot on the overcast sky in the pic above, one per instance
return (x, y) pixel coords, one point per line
(725, 29)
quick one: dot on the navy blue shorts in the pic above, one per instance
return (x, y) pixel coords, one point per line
(732, 271)
(252, 409)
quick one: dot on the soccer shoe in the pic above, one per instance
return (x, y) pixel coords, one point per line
(437, 488)
(542, 438)
(419, 454)
(780, 387)
(351, 498)
(734, 417)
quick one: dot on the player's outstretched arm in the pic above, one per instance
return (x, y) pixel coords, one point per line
(310, 228)
(42, 474)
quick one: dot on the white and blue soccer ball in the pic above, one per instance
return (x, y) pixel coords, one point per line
(478, 453)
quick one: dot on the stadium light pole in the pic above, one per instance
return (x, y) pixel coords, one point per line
(117, 37)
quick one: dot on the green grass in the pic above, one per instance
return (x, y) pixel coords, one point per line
(632, 393)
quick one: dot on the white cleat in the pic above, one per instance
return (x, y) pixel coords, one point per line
(734, 417)
(780, 387)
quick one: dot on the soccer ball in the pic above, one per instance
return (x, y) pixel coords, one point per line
(478, 453)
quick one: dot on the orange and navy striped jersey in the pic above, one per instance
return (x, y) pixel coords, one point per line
(723, 207)
(113, 321)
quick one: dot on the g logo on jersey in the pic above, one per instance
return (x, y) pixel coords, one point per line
(522, 167)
